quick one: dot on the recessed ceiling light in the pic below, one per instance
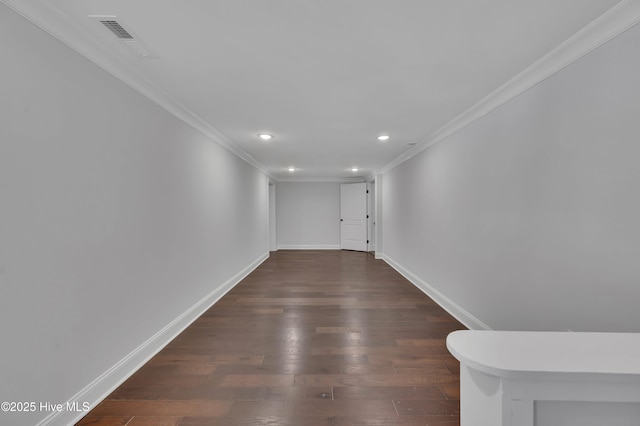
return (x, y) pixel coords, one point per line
(383, 137)
(354, 169)
(292, 169)
(265, 136)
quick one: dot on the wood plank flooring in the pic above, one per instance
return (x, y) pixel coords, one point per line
(309, 338)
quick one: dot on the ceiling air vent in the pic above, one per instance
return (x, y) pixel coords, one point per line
(117, 29)
(110, 22)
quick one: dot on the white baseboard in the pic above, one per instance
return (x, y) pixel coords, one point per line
(447, 304)
(309, 247)
(106, 383)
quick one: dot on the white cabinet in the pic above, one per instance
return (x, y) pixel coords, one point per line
(510, 378)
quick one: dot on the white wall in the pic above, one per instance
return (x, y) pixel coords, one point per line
(273, 243)
(378, 209)
(308, 215)
(116, 218)
(528, 218)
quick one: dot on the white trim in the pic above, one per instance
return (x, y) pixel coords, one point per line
(308, 246)
(616, 20)
(53, 21)
(445, 303)
(338, 180)
(102, 386)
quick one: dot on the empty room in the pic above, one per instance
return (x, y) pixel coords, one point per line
(305, 212)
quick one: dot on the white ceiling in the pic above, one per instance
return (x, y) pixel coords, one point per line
(326, 77)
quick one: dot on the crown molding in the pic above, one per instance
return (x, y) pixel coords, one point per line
(53, 21)
(615, 21)
(321, 180)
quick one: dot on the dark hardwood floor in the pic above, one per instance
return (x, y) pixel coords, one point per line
(309, 338)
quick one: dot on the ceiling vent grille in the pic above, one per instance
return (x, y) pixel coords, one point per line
(110, 22)
(117, 29)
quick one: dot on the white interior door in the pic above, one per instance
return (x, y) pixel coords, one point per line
(353, 216)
